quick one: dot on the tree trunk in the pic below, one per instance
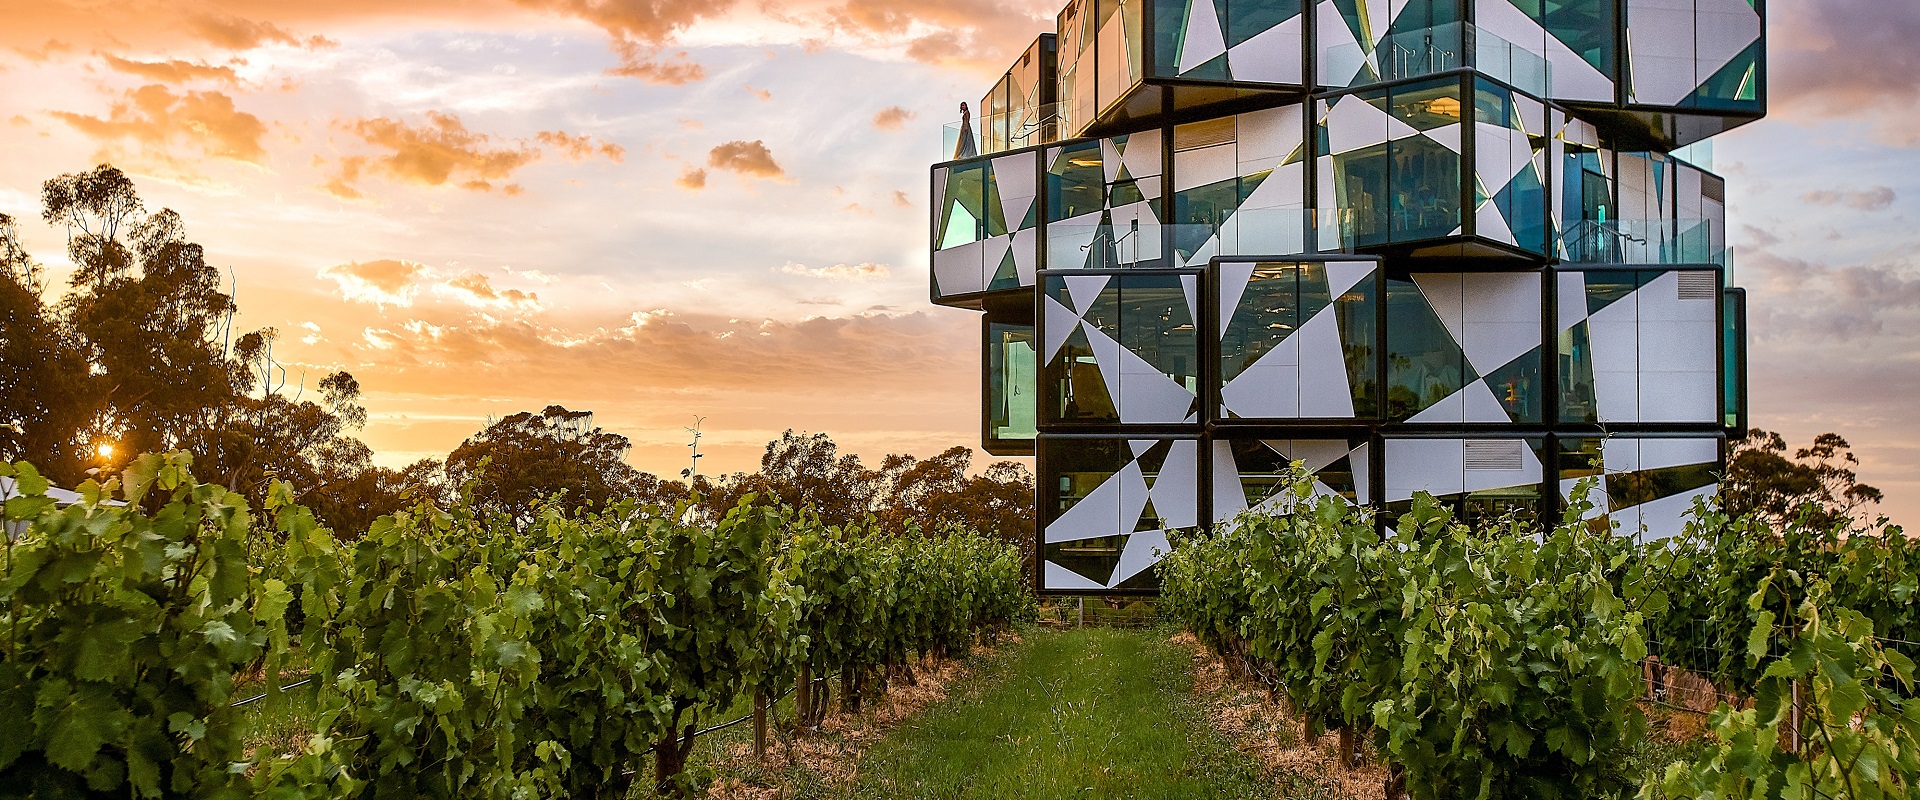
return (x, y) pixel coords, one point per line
(759, 726)
(670, 755)
(1396, 783)
(1346, 748)
(803, 696)
(849, 690)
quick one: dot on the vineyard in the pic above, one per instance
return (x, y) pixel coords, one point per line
(454, 653)
(451, 652)
(1507, 662)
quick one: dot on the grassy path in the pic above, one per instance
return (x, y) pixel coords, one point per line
(1079, 714)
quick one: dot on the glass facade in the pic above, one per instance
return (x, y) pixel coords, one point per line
(1011, 384)
(1423, 274)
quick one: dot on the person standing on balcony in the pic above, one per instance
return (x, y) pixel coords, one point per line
(965, 148)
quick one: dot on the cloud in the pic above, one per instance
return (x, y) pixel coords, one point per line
(156, 118)
(839, 272)
(236, 33)
(444, 151)
(476, 290)
(1878, 198)
(892, 118)
(1847, 58)
(763, 94)
(581, 148)
(692, 178)
(747, 158)
(901, 199)
(1800, 300)
(641, 62)
(172, 70)
(384, 282)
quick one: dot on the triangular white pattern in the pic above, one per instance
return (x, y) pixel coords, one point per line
(1059, 577)
(1234, 276)
(1573, 298)
(1482, 406)
(1490, 224)
(1323, 385)
(1147, 395)
(1340, 54)
(1108, 355)
(1111, 508)
(1175, 488)
(1060, 323)
(1190, 289)
(1110, 159)
(1229, 498)
(1270, 56)
(1362, 475)
(1069, 240)
(1442, 292)
(1731, 26)
(1142, 158)
(1316, 454)
(1342, 275)
(1024, 249)
(1452, 408)
(1141, 446)
(1448, 136)
(1204, 40)
(1083, 290)
(1143, 550)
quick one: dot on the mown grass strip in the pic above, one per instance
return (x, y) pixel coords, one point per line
(1076, 714)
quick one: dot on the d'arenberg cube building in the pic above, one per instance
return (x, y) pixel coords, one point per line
(1469, 247)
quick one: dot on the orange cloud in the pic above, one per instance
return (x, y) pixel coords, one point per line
(692, 179)
(172, 70)
(581, 148)
(840, 272)
(747, 158)
(763, 94)
(384, 282)
(892, 118)
(235, 33)
(476, 290)
(154, 117)
(444, 151)
(637, 61)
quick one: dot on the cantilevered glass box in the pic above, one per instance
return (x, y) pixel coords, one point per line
(1442, 246)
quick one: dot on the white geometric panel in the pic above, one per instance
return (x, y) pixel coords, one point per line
(1661, 453)
(1342, 276)
(1447, 136)
(1313, 454)
(1725, 28)
(1270, 56)
(1268, 388)
(1491, 225)
(1175, 488)
(1059, 577)
(1143, 550)
(1141, 446)
(1572, 300)
(1025, 247)
(1111, 508)
(1204, 41)
(1267, 137)
(1435, 466)
(991, 256)
(1362, 473)
(1144, 394)
(956, 270)
(1201, 166)
(1323, 384)
(1660, 48)
(1143, 159)
(1069, 241)
(1110, 159)
(1234, 276)
(1353, 123)
(1061, 322)
(1442, 291)
(1613, 334)
(1473, 403)
(1666, 517)
(1340, 55)
(1501, 313)
(1229, 499)
(1083, 290)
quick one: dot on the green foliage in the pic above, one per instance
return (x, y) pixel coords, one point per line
(1489, 664)
(1860, 721)
(121, 630)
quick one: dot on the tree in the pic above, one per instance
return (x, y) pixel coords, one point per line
(805, 471)
(45, 394)
(938, 493)
(528, 456)
(1818, 481)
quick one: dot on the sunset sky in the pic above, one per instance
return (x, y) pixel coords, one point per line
(656, 209)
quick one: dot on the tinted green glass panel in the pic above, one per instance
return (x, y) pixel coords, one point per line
(1012, 381)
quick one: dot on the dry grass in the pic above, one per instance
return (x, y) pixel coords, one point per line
(1242, 710)
(829, 758)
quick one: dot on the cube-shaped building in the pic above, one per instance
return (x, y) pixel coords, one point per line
(1467, 247)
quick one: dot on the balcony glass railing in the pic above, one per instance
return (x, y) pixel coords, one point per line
(994, 133)
(1687, 241)
(1427, 51)
(1279, 232)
